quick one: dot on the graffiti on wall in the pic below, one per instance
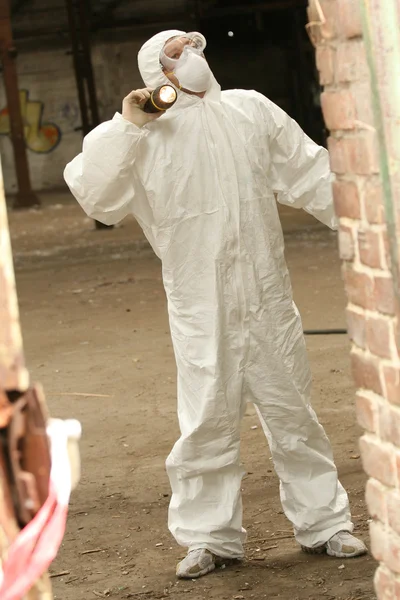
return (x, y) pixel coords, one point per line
(69, 112)
(40, 137)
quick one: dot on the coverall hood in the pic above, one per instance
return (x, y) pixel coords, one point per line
(149, 58)
(151, 71)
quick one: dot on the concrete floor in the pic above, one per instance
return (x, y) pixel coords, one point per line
(94, 321)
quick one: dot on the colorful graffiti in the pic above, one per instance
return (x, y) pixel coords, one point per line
(40, 137)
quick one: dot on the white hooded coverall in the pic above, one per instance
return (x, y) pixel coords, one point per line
(200, 181)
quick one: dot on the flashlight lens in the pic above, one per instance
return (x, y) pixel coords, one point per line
(167, 94)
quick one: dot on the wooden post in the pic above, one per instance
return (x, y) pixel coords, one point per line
(26, 198)
(13, 378)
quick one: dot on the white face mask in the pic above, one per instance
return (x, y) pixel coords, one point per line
(193, 72)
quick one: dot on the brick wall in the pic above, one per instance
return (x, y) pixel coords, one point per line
(363, 245)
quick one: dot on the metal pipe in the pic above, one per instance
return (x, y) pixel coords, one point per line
(325, 332)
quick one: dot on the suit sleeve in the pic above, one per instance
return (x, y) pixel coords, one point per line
(300, 172)
(102, 177)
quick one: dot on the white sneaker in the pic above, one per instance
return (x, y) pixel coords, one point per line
(196, 564)
(345, 545)
(341, 545)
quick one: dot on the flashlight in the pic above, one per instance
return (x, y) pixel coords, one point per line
(162, 98)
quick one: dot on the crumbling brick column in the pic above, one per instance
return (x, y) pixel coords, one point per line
(336, 29)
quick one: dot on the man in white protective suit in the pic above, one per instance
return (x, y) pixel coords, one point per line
(201, 181)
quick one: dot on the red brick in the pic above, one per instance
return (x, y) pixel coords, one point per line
(346, 243)
(391, 384)
(367, 412)
(376, 497)
(369, 245)
(346, 199)
(329, 29)
(373, 203)
(378, 536)
(393, 510)
(362, 154)
(384, 295)
(351, 63)
(365, 371)
(392, 554)
(339, 109)
(378, 460)
(378, 337)
(359, 287)
(325, 57)
(363, 104)
(337, 155)
(384, 584)
(357, 154)
(349, 12)
(356, 323)
(389, 424)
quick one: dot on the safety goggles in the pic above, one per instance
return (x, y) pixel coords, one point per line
(174, 48)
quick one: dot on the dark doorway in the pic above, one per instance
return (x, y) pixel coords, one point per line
(271, 53)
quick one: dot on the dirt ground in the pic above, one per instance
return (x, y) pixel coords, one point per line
(94, 321)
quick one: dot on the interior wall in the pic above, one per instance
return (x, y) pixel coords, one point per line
(268, 52)
(49, 80)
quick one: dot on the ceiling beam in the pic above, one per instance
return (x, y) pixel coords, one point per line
(212, 12)
(16, 6)
(105, 13)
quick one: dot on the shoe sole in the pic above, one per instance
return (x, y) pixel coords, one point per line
(315, 551)
(343, 555)
(325, 550)
(218, 564)
(201, 573)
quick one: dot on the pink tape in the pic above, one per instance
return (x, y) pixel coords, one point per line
(37, 545)
(34, 549)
